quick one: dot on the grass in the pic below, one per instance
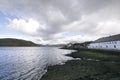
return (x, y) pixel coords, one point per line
(104, 56)
(108, 68)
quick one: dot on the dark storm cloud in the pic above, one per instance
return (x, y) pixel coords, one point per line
(65, 15)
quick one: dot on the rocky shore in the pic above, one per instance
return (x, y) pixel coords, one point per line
(92, 65)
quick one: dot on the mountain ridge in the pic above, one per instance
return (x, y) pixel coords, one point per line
(16, 42)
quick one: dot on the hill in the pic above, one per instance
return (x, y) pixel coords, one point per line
(53, 45)
(16, 42)
(76, 45)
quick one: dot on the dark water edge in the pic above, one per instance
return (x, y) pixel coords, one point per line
(94, 65)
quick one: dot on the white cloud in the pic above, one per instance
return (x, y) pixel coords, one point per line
(64, 40)
(110, 27)
(48, 19)
(29, 26)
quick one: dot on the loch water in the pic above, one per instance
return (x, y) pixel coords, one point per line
(29, 63)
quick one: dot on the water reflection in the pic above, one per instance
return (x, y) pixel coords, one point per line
(28, 62)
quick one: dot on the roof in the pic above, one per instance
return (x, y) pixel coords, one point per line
(110, 38)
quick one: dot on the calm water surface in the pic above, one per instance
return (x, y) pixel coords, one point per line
(29, 63)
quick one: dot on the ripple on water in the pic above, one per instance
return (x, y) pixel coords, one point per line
(29, 62)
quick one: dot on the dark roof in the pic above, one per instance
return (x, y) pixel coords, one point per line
(110, 38)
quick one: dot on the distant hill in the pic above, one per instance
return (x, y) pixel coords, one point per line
(53, 45)
(76, 45)
(16, 42)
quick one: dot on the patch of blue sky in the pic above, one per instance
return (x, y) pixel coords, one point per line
(4, 16)
(9, 33)
(4, 30)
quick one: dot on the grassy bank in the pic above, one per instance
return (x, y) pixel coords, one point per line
(108, 68)
(95, 54)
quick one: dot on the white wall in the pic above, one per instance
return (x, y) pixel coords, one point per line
(106, 45)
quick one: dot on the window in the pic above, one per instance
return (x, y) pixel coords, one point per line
(114, 46)
(106, 46)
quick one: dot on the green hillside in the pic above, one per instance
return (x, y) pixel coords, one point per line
(16, 42)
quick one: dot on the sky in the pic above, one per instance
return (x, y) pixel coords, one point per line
(59, 21)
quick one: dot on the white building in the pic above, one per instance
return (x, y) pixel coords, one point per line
(111, 42)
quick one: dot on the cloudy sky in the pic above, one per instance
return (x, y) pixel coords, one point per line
(59, 21)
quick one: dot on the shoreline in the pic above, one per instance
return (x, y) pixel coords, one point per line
(108, 68)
